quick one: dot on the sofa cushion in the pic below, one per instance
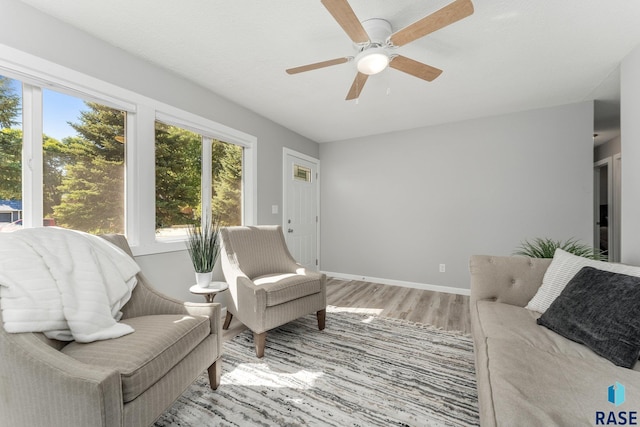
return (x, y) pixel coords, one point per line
(601, 310)
(518, 325)
(562, 269)
(281, 288)
(527, 369)
(535, 387)
(143, 357)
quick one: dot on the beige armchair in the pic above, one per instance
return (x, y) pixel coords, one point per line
(267, 287)
(127, 381)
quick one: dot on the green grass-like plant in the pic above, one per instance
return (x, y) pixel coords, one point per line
(203, 244)
(545, 248)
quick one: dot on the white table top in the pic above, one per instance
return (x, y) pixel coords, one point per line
(214, 287)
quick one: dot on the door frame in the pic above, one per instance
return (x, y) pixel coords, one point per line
(617, 205)
(285, 176)
(597, 166)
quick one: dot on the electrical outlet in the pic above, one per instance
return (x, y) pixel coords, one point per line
(274, 209)
(442, 268)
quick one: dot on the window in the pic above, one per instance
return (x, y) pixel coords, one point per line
(180, 177)
(98, 172)
(82, 160)
(227, 182)
(83, 164)
(10, 154)
(301, 173)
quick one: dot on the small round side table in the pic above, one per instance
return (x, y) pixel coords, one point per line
(209, 293)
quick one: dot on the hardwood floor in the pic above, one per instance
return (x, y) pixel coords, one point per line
(443, 310)
(446, 311)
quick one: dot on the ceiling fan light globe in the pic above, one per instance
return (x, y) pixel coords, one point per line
(373, 63)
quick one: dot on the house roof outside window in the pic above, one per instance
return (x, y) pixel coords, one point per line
(10, 205)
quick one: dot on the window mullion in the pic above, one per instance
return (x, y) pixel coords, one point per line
(140, 177)
(207, 177)
(32, 170)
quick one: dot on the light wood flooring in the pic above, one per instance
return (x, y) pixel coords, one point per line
(443, 310)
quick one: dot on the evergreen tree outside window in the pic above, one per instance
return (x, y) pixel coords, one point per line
(226, 190)
(10, 153)
(84, 170)
(179, 200)
(178, 172)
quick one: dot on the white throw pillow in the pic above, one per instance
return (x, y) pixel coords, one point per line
(562, 269)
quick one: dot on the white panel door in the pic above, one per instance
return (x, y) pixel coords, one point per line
(301, 208)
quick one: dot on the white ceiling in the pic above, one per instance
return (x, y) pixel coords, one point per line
(510, 55)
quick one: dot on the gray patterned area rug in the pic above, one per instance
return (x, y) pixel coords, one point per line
(362, 370)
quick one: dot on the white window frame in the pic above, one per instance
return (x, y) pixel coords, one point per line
(142, 112)
(32, 157)
(201, 127)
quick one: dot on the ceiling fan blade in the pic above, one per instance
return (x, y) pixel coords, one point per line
(347, 19)
(356, 87)
(439, 19)
(317, 65)
(415, 68)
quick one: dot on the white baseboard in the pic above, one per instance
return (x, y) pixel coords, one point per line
(424, 286)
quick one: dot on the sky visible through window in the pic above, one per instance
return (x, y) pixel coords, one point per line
(59, 109)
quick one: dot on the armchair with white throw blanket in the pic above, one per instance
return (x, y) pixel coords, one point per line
(116, 352)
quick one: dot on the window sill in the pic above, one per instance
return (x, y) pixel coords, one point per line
(159, 248)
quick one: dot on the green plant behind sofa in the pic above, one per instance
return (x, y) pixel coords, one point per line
(545, 248)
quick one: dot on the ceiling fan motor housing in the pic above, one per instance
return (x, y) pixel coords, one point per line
(373, 56)
(378, 30)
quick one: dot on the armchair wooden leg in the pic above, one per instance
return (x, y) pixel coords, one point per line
(227, 320)
(322, 316)
(215, 371)
(259, 341)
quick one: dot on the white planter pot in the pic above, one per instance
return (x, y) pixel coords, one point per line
(203, 279)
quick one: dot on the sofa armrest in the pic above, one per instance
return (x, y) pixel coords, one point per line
(147, 301)
(213, 311)
(509, 279)
(248, 303)
(37, 382)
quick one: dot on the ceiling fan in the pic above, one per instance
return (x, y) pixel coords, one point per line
(376, 43)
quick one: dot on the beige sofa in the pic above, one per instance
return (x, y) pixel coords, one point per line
(527, 374)
(127, 381)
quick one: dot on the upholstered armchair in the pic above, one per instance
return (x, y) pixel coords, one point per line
(267, 287)
(127, 381)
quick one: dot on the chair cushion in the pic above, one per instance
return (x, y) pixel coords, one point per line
(143, 357)
(281, 288)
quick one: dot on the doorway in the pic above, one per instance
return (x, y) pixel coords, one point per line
(301, 206)
(606, 214)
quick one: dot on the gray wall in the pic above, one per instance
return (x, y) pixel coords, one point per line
(630, 132)
(608, 149)
(28, 30)
(396, 206)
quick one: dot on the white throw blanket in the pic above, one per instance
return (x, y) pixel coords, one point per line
(68, 284)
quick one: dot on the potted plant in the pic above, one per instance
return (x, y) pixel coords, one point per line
(203, 244)
(545, 248)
